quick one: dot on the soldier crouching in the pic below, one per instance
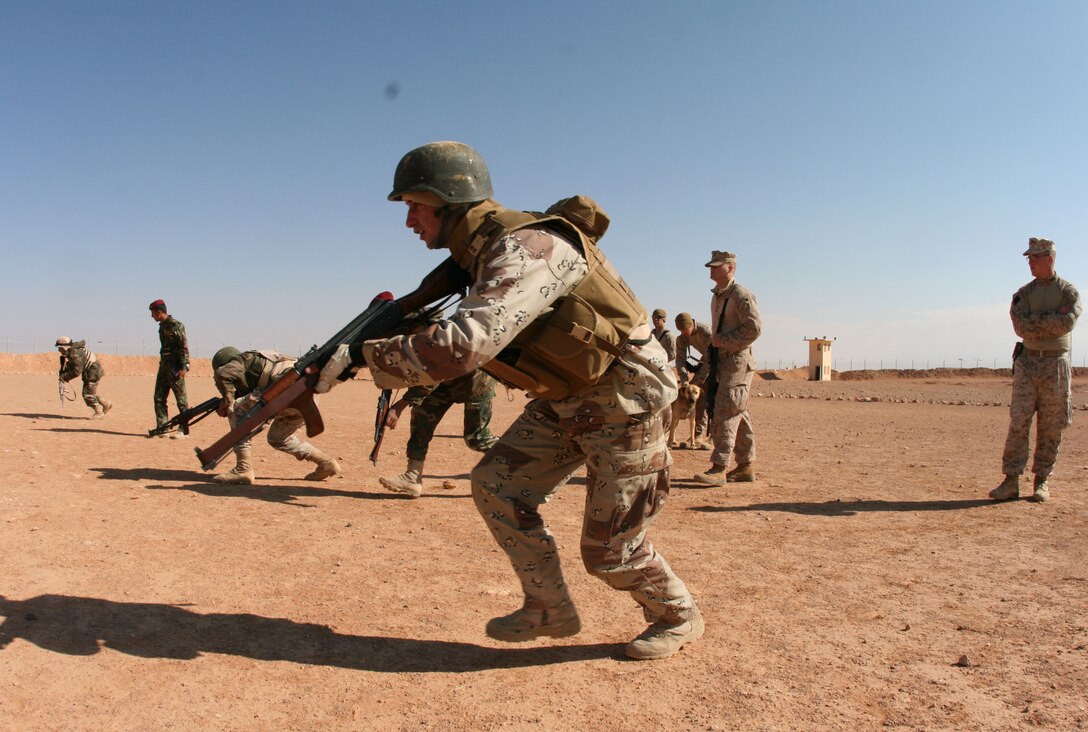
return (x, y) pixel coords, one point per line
(240, 378)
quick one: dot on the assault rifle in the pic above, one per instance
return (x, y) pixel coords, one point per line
(187, 418)
(384, 400)
(62, 388)
(295, 388)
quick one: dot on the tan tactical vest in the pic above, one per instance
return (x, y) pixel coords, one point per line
(263, 366)
(570, 347)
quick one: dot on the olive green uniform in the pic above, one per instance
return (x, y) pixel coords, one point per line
(79, 361)
(173, 357)
(430, 404)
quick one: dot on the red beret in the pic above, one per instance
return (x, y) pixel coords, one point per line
(157, 305)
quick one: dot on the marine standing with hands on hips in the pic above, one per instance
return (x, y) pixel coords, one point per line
(602, 389)
(1044, 313)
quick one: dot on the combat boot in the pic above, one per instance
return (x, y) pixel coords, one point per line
(1042, 490)
(534, 620)
(99, 413)
(106, 405)
(662, 639)
(1008, 490)
(326, 466)
(242, 474)
(715, 476)
(407, 482)
(743, 473)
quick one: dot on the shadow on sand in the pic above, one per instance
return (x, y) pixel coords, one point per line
(81, 626)
(198, 482)
(851, 508)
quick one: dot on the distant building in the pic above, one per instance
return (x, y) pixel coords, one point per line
(819, 359)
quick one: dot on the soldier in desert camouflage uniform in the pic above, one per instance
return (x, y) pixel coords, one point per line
(696, 337)
(429, 405)
(735, 323)
(663, 335)
(173, 364)
(1044, 313)
(515, 322)
(240, 378)
(77, 360)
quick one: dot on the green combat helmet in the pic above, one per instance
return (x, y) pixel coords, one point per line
(453, 171)
(224, 355)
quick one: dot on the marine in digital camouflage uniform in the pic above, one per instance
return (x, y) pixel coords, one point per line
(173, 364)
(615, 427)
(1044, 313)
(663, 335)
(735, 323)
(429, 405)
(77, 360)
(695, 336)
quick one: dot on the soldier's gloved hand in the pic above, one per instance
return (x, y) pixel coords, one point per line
(330, 372)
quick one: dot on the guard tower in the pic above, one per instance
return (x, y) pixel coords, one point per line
(819, 359)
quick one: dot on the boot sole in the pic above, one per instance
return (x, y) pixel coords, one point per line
(560, 630)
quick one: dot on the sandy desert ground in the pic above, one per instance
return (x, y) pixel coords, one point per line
(863, 582)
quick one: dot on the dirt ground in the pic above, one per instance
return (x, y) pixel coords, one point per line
(863, 582)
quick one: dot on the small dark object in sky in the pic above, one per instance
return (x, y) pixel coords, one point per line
(392, 90)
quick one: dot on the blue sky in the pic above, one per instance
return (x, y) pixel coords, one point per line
(877, 166)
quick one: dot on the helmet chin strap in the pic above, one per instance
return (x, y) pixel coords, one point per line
(451, 216)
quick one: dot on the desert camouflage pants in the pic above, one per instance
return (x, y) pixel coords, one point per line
(732, 427)
(627, 484)
(1040, 386)
(91, 376)
(281, 433)
(166, 382)
(426, 416)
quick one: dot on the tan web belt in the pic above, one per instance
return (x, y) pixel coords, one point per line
(1044, 354)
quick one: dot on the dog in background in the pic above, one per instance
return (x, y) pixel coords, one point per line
(683, 410)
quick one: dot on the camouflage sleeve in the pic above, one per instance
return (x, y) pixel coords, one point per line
(681, 354)
(750, 325)
(704, 344)
(1045, 325)
(519, 278)
(182, 345)
(73, 364)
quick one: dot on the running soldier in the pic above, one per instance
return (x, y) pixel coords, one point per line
(429, 405)
(1044, 313)
(77, 360)
(736, 324)
(173, 364)
(240, 378)
(695, 337)
(602, 391)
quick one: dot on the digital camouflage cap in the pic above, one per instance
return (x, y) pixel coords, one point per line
(1038, 245)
